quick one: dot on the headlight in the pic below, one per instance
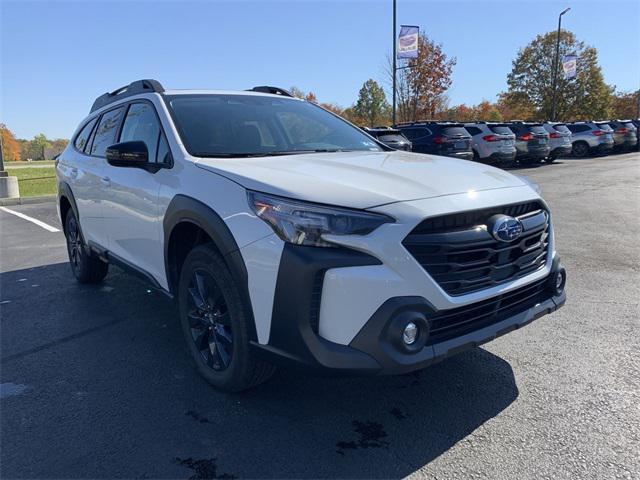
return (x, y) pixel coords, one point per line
(532, 184)
(304, 223)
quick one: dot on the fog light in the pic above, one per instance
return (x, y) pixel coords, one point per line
(559, 281)
(410, 333)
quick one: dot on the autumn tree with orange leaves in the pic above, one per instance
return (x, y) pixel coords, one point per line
(421, 86)
(10, 146)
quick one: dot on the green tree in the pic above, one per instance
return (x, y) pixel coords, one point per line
(626, 104)
(372, 105)
(34, 149)
(531, 80)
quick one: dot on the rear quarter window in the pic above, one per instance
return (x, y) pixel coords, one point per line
(83, 137)
(473, 130)
(578, 128)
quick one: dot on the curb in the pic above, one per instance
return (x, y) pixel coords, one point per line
(5, 202)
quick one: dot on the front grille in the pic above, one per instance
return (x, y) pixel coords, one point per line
(455, 322)
(459, 253)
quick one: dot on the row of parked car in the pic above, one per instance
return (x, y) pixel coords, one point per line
(509, 142)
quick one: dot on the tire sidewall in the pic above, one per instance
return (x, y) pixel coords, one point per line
(77, 271)
(207, 259)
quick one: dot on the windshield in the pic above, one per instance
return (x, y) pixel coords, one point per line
(250, 125)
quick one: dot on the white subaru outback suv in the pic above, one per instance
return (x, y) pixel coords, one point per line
(288, 236)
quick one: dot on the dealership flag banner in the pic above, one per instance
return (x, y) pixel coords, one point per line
(408, 41)
(569, 63)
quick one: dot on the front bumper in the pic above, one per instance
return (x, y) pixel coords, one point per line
(295, 341)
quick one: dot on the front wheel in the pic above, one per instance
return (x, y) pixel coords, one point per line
(85, 267)
(215, 323)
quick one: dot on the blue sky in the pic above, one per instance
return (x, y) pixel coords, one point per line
(57, 56)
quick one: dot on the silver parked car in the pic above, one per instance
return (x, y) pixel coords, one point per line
(625, 135)
(492, 142)
(590, 137)
(559, 140)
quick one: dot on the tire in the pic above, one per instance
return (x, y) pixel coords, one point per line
(580, 149)
(85, 267)
(550, 158)
(215, 323)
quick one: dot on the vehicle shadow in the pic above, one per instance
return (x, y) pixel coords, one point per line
(108, 376)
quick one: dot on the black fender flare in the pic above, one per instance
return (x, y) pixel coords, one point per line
(64, 191)
(187, 209)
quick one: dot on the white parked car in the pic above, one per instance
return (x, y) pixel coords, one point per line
(288, 236)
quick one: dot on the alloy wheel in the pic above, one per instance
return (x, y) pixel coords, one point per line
(74, 243)
(209, 321)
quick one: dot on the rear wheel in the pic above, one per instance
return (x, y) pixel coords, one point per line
(85, 267)
(551, 158)
(580, 149)
(215, 323)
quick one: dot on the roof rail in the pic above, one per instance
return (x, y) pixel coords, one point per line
(134, 88)
(271, 90)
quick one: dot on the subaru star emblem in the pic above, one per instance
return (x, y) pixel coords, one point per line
(505, 228)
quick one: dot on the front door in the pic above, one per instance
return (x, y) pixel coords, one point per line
(130, 205)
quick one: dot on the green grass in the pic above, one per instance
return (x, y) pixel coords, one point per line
(35, 181)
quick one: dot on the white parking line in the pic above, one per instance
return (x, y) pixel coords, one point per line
(30, 219)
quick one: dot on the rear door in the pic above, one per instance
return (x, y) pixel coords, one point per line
(131, 194)
(87, 172)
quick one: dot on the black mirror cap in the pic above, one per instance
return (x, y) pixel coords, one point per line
(128, 154)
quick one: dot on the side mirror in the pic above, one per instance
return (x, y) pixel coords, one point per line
(128, 154)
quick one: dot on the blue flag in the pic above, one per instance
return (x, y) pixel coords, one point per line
(408, 41)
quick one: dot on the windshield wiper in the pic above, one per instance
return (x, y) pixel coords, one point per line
(264, 154)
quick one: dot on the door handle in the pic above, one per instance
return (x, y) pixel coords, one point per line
(106, 181)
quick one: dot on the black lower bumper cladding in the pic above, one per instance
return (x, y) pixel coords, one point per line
(294, 339)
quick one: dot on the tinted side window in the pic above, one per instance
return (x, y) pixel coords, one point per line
(106, 132)
(83, 137)
(141, 123)
(473, 130)
(578, 128)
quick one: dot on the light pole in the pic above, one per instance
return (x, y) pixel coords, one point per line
(556, 65)
(393, 102)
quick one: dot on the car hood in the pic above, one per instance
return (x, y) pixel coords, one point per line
(360, 179)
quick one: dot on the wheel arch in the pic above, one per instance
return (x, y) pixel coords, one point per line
(66, 202)
(188, 223)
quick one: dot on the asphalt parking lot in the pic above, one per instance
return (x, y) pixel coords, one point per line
(96, 381)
